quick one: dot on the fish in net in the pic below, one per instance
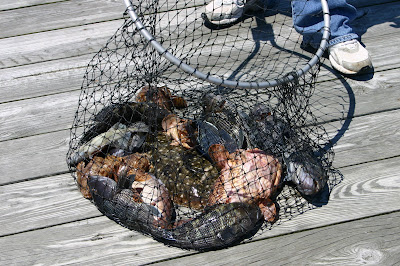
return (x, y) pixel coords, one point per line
(191, 163)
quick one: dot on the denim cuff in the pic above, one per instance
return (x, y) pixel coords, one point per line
(343, 38)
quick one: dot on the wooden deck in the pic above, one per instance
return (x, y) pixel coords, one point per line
(45, 46)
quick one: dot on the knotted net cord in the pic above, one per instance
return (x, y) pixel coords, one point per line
(190, 163)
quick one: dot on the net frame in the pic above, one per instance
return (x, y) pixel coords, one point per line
(229, 83)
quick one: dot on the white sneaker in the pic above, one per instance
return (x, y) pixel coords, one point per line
(349, 57)
(221, 12)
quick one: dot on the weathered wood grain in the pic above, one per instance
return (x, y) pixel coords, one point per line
(99, 238)
(52, 15)
(93, 241)
(368, 138)
(49, 208)
(43, 68)
(5, 5)
(44, 15)
(34, 156)
(58, 75)
(58, 15)
(53, 112)
(41, 203)
(85, 39)
(38, 115)
(368, 241)
(56, 44)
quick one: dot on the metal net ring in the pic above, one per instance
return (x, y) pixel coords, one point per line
(231, 83)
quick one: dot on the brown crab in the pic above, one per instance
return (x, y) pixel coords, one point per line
(160, 96)
(249, 176)
(111, 167)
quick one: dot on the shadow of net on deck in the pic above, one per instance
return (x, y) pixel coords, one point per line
(193, 164)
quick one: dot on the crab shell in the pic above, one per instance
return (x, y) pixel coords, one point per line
(249, 176)
(160, 96)
(97, 166)
(112, 167)
(179, 130)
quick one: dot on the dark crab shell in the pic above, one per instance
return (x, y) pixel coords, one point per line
(208, 134)
(307, 173)
(225, 116)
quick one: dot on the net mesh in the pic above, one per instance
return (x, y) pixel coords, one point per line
(193, 164)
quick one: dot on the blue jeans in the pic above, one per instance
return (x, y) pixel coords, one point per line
(308, 21)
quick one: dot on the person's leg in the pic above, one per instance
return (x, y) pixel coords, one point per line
(345, 52)
(308, 21)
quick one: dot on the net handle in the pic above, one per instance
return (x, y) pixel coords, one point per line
(230, 83)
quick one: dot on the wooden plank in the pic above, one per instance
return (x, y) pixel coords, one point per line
(51, 15)
(55, 44)
(331, 100)
(39, 115)
(55, 83)
(88, 241)
(38, 155)
(368, 138)
(58, 44)
(58, 15)
(42, 202)
(65, 74)
(43, 68)
(368, 241)
(6, 5)
(91, 241)
(38, 16)
(14, 90)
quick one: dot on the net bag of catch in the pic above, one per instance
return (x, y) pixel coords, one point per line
(201, 161)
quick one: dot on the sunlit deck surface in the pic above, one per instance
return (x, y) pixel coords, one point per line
(45, 46)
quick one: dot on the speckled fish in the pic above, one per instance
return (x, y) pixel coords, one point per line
(125, 113)
(119, 136)
(225, 116)
(306, 172)
(187, 175)
(217, 227)
(246, 176)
